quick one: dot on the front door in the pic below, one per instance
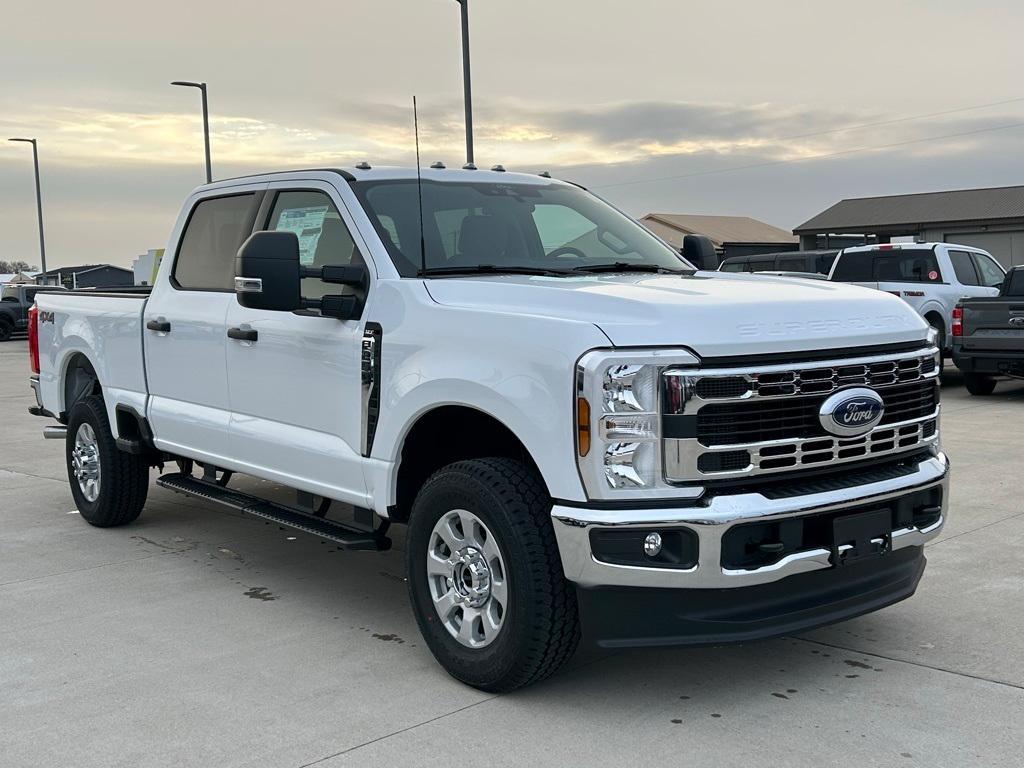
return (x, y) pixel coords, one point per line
(295, 389)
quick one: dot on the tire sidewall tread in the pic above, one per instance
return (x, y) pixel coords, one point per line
(540, 631)
(124, 478)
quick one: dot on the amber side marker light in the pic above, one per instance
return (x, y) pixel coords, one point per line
(583, 425)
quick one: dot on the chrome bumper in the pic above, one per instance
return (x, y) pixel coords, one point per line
(710, 522)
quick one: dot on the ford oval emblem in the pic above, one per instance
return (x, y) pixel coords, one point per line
(851, 412)
(1017, 322)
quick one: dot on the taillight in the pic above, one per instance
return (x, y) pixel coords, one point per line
(958, 321)
(33, 338)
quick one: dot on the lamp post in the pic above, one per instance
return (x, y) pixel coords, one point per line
(466, 88)
(39, 202)
(206, 122)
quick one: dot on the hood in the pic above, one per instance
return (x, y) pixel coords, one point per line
(715, 314)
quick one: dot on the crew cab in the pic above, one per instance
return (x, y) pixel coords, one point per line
(583, 434)
(988, 336)
(15, 300)
(930, 277)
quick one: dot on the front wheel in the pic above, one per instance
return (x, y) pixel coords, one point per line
(979, 384)
(485, 577)
(109, 486)
(6, 330)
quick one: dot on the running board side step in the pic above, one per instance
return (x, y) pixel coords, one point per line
(343, 535)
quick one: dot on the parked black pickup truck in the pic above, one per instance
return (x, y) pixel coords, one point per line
(988, 335)
(15, 301)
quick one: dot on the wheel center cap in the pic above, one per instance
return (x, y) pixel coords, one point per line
(471, 577)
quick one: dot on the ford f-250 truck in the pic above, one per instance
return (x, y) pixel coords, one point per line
(579, 430)
(988, 336)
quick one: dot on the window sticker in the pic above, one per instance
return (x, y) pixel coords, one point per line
(933, 275)
(307, 223)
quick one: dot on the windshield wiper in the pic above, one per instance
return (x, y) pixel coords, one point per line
(623, 266)
(491, 269)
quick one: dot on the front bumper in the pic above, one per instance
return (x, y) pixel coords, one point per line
(710, 519)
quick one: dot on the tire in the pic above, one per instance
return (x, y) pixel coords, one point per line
(122, 479)
(6, 330)
(539, 626)
(979, 384)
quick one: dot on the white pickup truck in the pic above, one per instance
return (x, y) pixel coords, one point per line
(580, 431)
(930, 277)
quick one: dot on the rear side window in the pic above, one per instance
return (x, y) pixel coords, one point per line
(733, 266)
(914, 265)
(762, 265)
(964, 268)
(213, 234)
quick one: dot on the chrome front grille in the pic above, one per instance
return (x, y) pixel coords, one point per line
(744, 421)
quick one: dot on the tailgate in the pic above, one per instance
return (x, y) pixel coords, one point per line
(993, 325)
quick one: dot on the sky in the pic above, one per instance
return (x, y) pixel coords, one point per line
(771, 110)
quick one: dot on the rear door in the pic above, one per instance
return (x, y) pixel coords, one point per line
(296, 391)
(185, 331)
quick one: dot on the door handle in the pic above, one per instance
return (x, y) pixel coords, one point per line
(161, 326)
(243, 334)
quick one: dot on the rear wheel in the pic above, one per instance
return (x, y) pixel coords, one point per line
(109, 486)
(485, 578)
(6, 330)
(979, 384)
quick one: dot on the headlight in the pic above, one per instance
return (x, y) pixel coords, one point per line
(933, 336)
(618, 422)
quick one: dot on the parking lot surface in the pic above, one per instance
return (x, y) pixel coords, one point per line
(197, 637)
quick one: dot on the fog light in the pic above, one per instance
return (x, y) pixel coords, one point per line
(652, 544)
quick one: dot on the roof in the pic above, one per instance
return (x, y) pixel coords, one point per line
(391, 172)
(720, 229)
(84, 268)
(867, 214)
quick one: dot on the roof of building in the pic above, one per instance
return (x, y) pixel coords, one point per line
(865, 214)
(84, 268)
(720, 229)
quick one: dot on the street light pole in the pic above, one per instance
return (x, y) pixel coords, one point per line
(39, 202)
(467, 89)
(206, 123)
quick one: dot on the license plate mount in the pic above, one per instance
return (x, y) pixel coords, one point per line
(861, 536)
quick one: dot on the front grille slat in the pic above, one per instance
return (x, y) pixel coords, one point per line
(745, 422)
(758, 421)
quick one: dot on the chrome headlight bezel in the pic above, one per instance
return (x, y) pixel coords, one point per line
(623, 390)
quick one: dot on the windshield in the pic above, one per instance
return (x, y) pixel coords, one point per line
(545, 229)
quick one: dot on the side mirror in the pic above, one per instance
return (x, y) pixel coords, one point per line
(269, 276)
(267, 272)
(700, 251)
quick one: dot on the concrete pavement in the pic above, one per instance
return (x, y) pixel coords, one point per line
(201, 638)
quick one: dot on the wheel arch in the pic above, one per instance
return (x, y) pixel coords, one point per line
(443, 435)
(78, 379)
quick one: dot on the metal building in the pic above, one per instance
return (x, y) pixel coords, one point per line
(991, 218)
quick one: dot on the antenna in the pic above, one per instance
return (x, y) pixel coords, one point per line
(419, 187)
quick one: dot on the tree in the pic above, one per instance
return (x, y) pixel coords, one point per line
(12, 267)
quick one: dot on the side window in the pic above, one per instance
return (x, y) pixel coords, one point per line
(733, 266)
(213, 234)
(963, 266)
(992, 274)
(854, 268)
(792, 264)
(323, 237)
(762, 265)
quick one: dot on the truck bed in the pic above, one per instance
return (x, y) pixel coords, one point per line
(102, 330)
(993, 336)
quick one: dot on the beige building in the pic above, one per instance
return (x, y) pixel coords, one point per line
(732, 235)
